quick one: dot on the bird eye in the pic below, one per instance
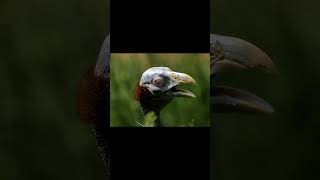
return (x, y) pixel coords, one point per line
(158, 81)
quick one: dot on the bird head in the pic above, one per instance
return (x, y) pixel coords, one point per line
(229, 54)
(158, 86)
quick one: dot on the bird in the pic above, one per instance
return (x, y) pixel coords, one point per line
(228, 54)
(93, 98)
(157, 87)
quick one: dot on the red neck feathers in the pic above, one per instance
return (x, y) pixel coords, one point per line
(141, 93)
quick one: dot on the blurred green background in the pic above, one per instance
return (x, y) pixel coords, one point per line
(286, 145)
(46, 47)
(126, 71)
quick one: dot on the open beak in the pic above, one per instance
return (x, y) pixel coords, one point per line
(229, 54)
(177, 78)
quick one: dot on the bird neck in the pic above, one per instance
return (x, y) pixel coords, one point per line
(157, 122)
(100, 133)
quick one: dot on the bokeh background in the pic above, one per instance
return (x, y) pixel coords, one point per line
(46, 47)
(126, 71)
(286, 145)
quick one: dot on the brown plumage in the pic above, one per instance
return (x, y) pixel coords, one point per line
(94, 109)
(141, 93)
(93, 102)
(93, 97)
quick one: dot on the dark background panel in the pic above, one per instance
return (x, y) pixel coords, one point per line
(161, 153)
(286, 144)
(160, 26)
(45, 48)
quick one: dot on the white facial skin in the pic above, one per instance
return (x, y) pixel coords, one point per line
(161, 79)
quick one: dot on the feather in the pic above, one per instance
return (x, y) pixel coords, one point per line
(141, 93)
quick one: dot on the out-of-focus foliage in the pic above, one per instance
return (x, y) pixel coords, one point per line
(46, 47)
(149, 119)
(126, 71)
(285, 145)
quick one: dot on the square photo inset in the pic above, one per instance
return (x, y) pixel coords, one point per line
(160, 90)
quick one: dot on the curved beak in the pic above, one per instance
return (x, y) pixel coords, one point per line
(229, 54)
(177, 78)
(102, 67)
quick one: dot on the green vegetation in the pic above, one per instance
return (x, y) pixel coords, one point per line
(126, 70)
(149, 119)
